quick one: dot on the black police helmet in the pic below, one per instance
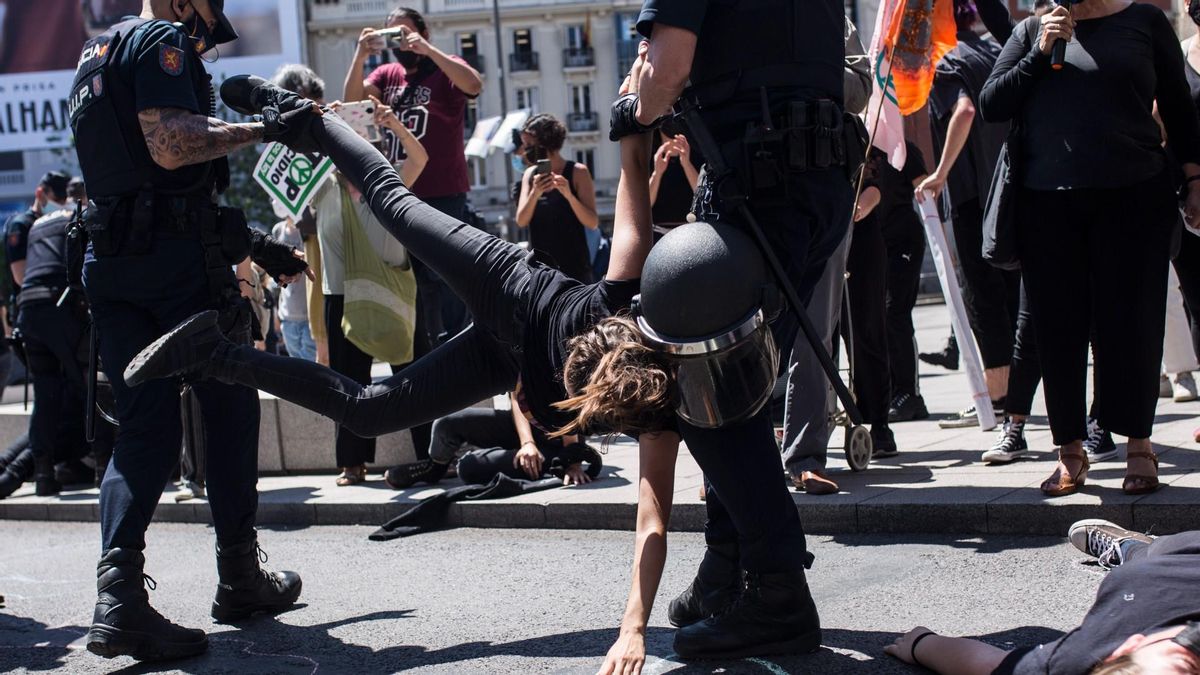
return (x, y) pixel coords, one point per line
(701, 279)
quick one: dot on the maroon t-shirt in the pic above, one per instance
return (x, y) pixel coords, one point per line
(434, 110)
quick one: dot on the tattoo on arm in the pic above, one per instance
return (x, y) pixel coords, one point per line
(178, 138)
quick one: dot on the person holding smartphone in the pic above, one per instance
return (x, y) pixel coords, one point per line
(558, 200)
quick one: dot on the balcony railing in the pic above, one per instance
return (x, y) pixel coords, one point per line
(579, 57)
(522, 62)
(583, 122)
(477, 62)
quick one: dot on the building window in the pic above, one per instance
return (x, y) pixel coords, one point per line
(477, 172)
(527, 97)
(523, 57)
(576, 36)
(468, 48)
(586, 157)
(581, 98)
(627, 42)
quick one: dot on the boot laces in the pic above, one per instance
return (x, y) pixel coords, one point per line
(149, 582)
(1008, 437)
(1095, 435)
(262, 555)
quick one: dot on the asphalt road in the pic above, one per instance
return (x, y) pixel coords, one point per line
(520, 601)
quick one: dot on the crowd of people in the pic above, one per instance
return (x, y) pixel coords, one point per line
(1104, 165)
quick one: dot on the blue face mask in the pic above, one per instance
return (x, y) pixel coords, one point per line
(518, 164)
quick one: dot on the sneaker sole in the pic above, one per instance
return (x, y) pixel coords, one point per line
(109, 643)
(801, 644)
(147, 358)
(1103, 456)
(230, 614)
(1006, 458)
(1079, 529)
(959, 423)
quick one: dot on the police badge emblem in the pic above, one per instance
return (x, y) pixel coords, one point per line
(170, 59)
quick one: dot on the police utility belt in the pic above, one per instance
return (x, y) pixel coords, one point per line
(129, 225)
(810, 135)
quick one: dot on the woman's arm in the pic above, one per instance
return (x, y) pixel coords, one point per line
(1173, 97)
(633, 227)
(946, 655)
(583, 205)
(1018, 69)
(661, 160)
(355, 88)
(528, 458)
(415, 155)
(656, 486)
(530, 192)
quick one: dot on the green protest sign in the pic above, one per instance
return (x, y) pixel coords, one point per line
(291, 177)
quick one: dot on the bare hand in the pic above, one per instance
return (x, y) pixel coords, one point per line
(630, 85)
(542, 183)
(560, 183)
(411, 41)
(662, 157)
(385, 117)
(575, 475)
(529, 460)
(1056, 24)
(682, 147)
(626, 656)
(902, 648)
(1191, 206)
(367, 44)
(933, 184)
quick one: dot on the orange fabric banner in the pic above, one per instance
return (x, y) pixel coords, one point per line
(921, 33)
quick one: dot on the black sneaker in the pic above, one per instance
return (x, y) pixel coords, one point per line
(422, 471)
(947, 358)
(774, 614)
(883, 442)
(1102, 540)
(1099, 444)
(907, 407)
(1010, 444)
(185, 349)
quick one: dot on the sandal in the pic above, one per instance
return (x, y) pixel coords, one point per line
(1137, 484)
(352, 475)
(1062, 483)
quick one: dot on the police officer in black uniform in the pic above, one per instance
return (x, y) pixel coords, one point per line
(153, 155)
(53, 321)
(766, 79)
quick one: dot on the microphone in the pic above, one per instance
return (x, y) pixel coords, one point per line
(1058, 51)
(246, 94)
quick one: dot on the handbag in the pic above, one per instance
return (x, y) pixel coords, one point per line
(380, 305)
(1000, 212)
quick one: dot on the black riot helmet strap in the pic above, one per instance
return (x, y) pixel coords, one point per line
(718, 169)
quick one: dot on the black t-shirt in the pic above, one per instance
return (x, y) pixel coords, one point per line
(1148, 594)
(563, 308)
(46, 258)
(736, 35)
(16, 235)
(556, 235)
(675, 193)
(895, 187)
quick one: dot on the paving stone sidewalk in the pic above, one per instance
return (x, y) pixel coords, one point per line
(936, 484)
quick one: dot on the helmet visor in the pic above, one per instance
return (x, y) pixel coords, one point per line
(728, 386)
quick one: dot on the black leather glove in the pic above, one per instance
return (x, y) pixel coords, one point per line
(276, 257)
(290, 127)
(624, 119)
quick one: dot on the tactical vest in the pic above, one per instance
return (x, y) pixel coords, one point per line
(112, 151)
(46, 253)
(747, 44)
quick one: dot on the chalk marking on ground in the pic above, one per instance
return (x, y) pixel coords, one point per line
(247, 650)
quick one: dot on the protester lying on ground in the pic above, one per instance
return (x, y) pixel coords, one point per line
(490, 441)
(1144, 619)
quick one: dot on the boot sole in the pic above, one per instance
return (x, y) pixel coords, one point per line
(146, 359)
(223, 614)
(802, 644)
(109, 642)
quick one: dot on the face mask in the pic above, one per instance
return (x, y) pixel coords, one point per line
(406, 59)
(1194, 11)
(518, 164)
(198, 31)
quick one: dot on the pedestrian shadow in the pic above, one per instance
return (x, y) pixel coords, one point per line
(28, 644)
(979, 543)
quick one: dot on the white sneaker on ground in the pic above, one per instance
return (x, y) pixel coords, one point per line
(1184, 389)
(1010, 444)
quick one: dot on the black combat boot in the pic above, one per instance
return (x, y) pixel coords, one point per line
(774, 614)
(716, 585)
(184, 350)
(44, 482)
(244, 588)
(125, 624)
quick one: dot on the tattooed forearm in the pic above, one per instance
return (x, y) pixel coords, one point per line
(178, 138)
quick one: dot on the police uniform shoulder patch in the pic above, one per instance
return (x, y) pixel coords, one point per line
(170, 59)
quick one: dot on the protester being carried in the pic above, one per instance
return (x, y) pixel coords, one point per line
(1144, 619)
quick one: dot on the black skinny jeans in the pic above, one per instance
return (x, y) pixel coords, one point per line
(1187, 268)
(493, 435)
(1094, 261)
(867, 328)
(990, 294)
(904, 240)
(490, 275)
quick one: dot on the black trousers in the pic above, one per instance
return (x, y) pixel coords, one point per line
(990, 294)
(868, 329)
(1097, 258)
(490, 436)
(491, 277)
(351, 449)
(1187, 268)
(1025, 372)
(904, 239)
(53, 338)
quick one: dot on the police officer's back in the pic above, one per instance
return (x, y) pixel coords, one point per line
(160, 250)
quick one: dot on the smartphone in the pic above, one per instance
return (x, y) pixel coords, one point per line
(542, 167)
(360, 115)
(389, 37)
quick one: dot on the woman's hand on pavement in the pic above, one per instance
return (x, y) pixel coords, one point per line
(575, 475)
(626, 656)
(902, 648)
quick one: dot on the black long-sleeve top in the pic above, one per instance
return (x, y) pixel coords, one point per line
(1090, 124)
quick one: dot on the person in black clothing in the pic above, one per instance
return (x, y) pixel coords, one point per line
(1137, 623)
(1187, 260)
(888, 235)
(556, 206)
(51, 194)
(1096, 211)
(673, 182)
